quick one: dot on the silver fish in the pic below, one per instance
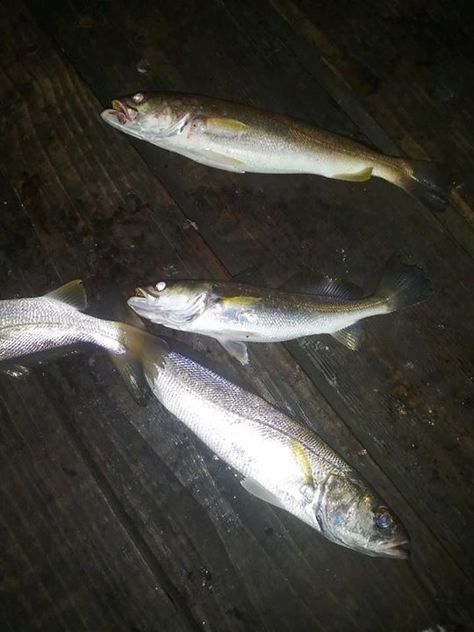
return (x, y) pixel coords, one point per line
(281, 461)
(235, 314)
(32, 328)
(241, 138)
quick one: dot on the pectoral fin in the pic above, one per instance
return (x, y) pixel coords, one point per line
(336, 289)
(221, 126)
(361, 176)
(241, 301)
(302, 459)
(237, 350)
(351, 337)
(254, 487)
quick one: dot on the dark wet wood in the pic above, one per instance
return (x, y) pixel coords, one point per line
(114, 516)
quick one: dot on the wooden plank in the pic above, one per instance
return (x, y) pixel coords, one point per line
(237, 563)
(401, 74)
(68, 561)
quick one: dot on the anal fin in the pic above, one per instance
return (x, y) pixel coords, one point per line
(351, 337)
(361, 176)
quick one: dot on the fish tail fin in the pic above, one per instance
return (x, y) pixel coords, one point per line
(133, 338)
(141, 347)
(130, 367)
(402, 285)
(428, 182)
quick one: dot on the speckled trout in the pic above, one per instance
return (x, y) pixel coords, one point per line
(53, 324)
(241, 138)
(235, 314)
(281, 461)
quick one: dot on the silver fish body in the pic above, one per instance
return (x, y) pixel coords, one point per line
(32, 327)
(240, 138)
(235, 314)
(281, 461)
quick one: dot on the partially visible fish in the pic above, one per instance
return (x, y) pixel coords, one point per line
(281, 461)
(241, 138)
(235, 314)
(31, 328)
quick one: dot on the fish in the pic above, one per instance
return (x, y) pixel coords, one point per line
(280, 461)
(244, 139)
(54, 325)
(236, 314)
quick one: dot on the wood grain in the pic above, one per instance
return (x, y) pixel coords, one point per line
(84, 201)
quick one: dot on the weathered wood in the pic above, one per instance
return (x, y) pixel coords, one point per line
(93, 208)
(408, 71)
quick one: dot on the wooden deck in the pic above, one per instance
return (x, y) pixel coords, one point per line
(113, 516)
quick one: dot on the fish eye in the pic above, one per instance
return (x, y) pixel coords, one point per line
(160, 286)
(383, 519)
(138, 98)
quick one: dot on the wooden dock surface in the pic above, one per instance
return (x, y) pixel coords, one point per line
(113, 516)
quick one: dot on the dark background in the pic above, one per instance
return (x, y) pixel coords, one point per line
(114, 517)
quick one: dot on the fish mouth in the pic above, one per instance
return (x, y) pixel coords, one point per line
(149, 292)
(142, 302)
(122, 112)
(397, 548)
(141, 292)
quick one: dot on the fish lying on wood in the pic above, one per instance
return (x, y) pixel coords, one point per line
(241, 138)
(282, 462)
(235, 314)
(32, 328)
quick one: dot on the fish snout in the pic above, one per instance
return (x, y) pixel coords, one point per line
(144, 301)
(123, 112)
(142, 292)
(397, 548)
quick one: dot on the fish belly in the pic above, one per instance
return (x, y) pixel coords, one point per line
(223, 416)
(274, 326)
(271, 155)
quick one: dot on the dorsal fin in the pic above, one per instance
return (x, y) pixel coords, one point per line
(320, 285)
(72, 293)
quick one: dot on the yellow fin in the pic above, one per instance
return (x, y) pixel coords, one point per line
(362, 176)
(226, 124)
(303, 461)
(241, 301)
(218, 161)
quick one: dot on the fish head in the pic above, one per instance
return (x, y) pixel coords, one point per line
(171, 303)
(350, 513)
(147, 115)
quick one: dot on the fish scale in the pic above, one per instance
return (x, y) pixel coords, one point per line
(236, 314)
(34, 325)
(241, 138)
(280, 460)
(35, 329)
